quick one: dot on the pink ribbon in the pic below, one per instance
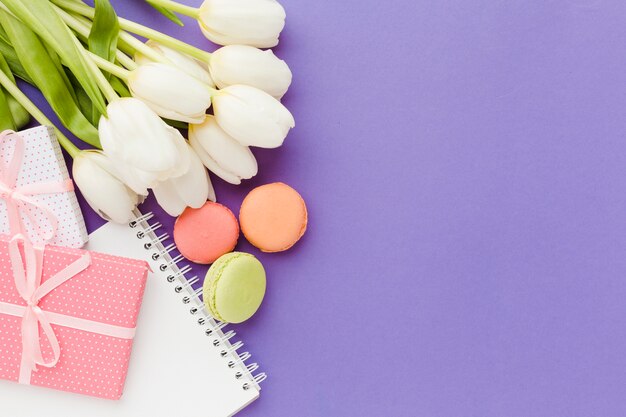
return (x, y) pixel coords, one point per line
(27, 269)
(27, 272)
(18, 198)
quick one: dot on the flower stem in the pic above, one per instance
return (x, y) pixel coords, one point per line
(103, 83)
(141, 47)
(141, 30)
(21, 98)
(83, 29)
(177, 7)
(166, 40)
(109, 66)
(126, 38)
(125, 60)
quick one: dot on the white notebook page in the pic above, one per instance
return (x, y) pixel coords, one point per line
(174, 368)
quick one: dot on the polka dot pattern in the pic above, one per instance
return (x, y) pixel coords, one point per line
(43, 162)
(109, 291)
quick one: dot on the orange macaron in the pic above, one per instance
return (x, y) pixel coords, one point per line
(273, 217)
(203, 235)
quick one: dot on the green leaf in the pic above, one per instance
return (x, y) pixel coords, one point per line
(168, 13)
(45, 74)
(42, 18)
(103, 37)
(83, 101)
(6, 117)
(104, 31)
(120, 87)
(11, 58)
(3, 36)
(19, 115)
(57, 63)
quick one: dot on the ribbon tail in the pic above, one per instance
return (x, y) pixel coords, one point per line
(31, 344)
(27, 367)
(52, 338)
(31, 350)
(8, 178)
(11, 171)
(17, 264)
(15, 221)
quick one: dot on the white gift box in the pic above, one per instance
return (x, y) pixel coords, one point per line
(43, 163)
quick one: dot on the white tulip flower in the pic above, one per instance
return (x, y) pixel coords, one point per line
(171, 92)
(242, 64)
(251, 116)
(222, 154)
(94, 175)
(141, 145)
(178, 59)
(247, 22)
(192, 189)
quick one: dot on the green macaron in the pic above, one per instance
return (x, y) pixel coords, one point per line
(234, 287)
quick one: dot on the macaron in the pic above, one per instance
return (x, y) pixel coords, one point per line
(273, 217)
(234, 287)
(203, 235)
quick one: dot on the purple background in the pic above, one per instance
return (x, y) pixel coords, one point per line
(464, 165)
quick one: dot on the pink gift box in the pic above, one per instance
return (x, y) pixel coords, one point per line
(106, 295)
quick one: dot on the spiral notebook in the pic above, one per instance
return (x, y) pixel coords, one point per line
(184, 363)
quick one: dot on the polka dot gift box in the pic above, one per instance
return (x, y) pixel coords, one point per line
(42, 162)
(67, 317)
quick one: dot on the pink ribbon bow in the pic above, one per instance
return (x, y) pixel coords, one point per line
(27, 273)
(18, 198)
(28, 268)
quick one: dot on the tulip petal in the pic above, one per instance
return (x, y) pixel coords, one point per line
(106, 194)
(212, 165)
(252, 117)
(247, 65)
(180, 60)
(136, 135)
(184, 154)
(249, 22)
(193, 186)
(170, 92)
(138, 181)
(168, 198)
(192, 189)
(212, 195)
(229, 154)
(168, 113)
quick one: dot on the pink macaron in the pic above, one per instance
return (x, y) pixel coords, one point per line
(203, 235)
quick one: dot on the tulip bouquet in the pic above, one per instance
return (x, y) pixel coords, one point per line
(128, 99)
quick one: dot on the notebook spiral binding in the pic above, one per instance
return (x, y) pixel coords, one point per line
(156, 245)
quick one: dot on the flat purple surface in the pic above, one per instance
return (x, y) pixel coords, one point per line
(464, 164)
